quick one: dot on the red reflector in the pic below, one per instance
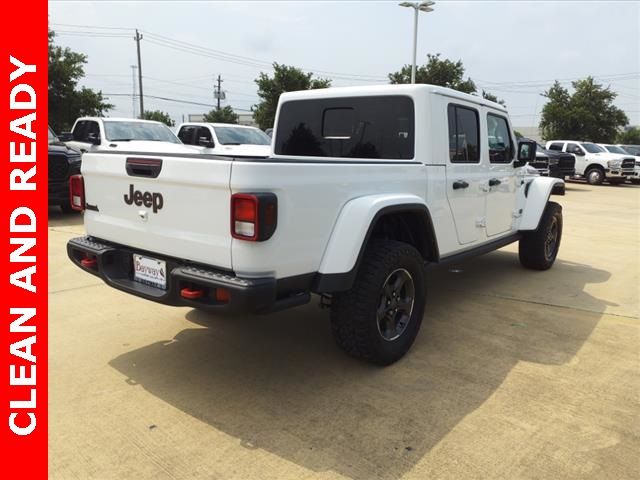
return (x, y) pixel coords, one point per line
(245, 209)
(222, 295)
(191, 293)
(244, 216)
(88, 262)
(76, 192)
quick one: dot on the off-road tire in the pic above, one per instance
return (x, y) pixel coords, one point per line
(354, 313)
(534, 249)
(594, 176)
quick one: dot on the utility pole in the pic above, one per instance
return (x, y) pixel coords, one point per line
(137, 38)
(133, 97)
(217, 92)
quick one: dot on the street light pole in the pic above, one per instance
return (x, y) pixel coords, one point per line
(415, 45)
(417, 7)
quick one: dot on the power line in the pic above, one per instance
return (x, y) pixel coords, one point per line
(194, 49)
(168, 99)
(91, 26)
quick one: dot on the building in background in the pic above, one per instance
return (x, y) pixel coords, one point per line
(243, 118)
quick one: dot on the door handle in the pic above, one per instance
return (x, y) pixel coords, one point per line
(494, 182)
(458, 184)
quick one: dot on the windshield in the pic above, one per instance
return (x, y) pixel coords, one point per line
(614, 149)
(540, 147)
(632, 149)
(241, 136)
(52, 136)
(125, 131)
(592, 148)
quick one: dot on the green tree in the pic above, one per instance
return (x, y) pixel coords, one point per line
(222, 115)
(518, 134)
(66, 101)
(630, 136)
(285, 79)
(588, 114)
(437, 71)
(159, 116)
(492, 98)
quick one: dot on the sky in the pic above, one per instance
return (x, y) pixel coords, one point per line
(514, 49)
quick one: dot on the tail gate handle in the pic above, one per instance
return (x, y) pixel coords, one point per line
(144, 167)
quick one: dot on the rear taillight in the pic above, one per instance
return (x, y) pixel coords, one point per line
(254, 216)
(76, 192)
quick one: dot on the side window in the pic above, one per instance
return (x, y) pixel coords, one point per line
(377, 126)
(557, 146)
(186, 134)
(203, 132)
(571, 147)
(500, 144)
(79, 131)
(464, 133)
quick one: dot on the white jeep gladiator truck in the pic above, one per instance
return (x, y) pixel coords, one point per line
(364, 189)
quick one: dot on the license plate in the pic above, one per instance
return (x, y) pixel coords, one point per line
(150, 271)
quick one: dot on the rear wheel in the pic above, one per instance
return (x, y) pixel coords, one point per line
(379, 318)
(538, 249)
(594, 176)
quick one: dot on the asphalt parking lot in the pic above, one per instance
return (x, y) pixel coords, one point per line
(515, 374)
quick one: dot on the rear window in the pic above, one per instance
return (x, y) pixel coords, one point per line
(350, 127)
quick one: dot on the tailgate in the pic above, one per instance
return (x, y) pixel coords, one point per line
(183, 212)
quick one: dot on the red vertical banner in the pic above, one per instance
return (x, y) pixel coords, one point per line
(23, 373)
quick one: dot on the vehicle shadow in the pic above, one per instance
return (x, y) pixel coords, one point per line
(279, 384)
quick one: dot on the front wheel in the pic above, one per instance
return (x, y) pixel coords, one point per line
(379, 318)
(538, 249)
(595, 176)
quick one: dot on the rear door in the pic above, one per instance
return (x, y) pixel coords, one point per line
(173, 205)
(465, 173)
(579, 154)
(501, 178)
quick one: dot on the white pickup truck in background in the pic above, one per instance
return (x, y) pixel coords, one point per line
(225, 139)
(90, 134)
(364, 188)
(594, 163)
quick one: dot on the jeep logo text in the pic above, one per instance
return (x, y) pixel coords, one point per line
(148, 199)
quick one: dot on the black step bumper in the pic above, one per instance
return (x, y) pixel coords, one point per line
(114, 264)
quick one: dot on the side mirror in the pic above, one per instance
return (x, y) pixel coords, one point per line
(526, 153)
(577, 151)
(65, 137)
(205, 142)
(93, 138)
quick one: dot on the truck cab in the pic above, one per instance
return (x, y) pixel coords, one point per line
(225, 139)
(90, 134)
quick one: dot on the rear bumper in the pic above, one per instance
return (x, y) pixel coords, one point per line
(114, 264)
